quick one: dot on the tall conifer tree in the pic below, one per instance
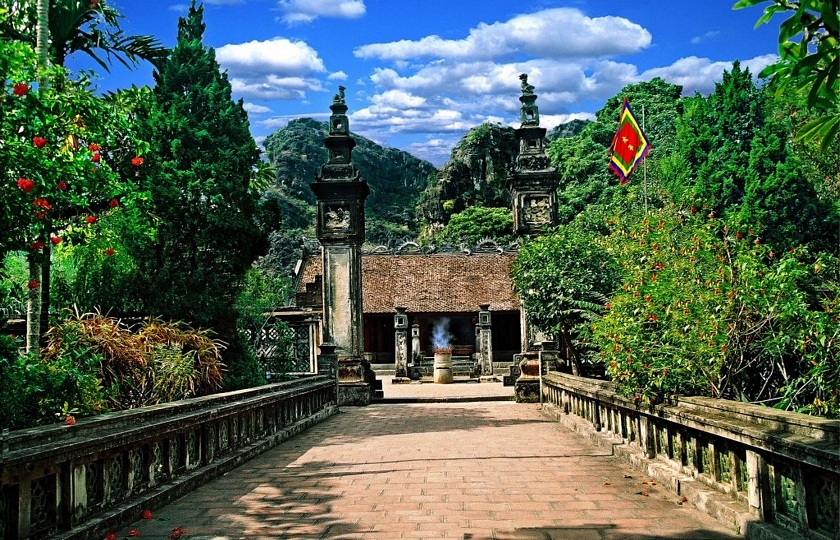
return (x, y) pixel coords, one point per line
(199, 173)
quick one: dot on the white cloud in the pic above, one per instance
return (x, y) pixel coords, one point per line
(278, 56)
(224, 2)
(277, 68)
(435, 150)
(398, 99)
(253, 108)
(305, 11)
(700, 74)
(179, 8)
(272, 87)
(278, 122)
(551, 121)
(712, 34)
(551, 33)
(337, 76)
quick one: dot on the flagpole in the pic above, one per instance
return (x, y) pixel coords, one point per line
(644, 171)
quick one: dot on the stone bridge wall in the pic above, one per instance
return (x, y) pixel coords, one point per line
(767, 473)
(83, 480)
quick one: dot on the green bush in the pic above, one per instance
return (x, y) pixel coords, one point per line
(707, 309)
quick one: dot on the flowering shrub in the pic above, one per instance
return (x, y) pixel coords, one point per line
(706, 309)
(51, 136)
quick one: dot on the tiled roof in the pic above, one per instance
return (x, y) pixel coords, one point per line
(443, 283)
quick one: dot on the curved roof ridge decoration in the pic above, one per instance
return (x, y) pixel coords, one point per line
(412, 247)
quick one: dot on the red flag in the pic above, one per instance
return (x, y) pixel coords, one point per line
(629, 146)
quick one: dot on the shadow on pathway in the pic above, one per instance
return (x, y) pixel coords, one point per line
(489, 470)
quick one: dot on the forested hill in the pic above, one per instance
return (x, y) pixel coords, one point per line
(395, 177)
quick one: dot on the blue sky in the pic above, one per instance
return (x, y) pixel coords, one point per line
(420, 74)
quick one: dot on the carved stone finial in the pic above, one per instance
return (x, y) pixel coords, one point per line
(527, 89)
(339, 97)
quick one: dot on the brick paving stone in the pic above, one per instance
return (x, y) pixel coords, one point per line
(489, 470)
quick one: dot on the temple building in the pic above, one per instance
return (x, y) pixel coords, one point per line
(440, 293)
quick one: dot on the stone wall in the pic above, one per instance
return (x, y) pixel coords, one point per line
(83, 480)
(766, 473)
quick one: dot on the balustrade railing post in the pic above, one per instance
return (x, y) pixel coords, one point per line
(647, 437)
(758, 486)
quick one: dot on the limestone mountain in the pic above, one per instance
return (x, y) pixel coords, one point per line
(297, 152)
(564, 131)
(476, 172)
(474, 175)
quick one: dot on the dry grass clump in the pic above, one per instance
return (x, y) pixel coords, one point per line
(156, 362)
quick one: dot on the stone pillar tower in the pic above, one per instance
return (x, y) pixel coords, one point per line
(340, 193)
(533, 182)
(485, 341)
(400, 343)
(533, 190)
(416, 355)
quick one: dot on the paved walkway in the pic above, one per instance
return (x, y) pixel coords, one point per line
(461, 390)
(467, 470)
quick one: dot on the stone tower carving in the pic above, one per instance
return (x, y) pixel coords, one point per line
(340, 193)
(533, 181)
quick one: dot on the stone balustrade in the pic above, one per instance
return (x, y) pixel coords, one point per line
(767, 473)
(83, 480)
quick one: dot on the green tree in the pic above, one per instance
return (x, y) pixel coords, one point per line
(477, 223)
(809, 61)
(64, 27)
(564, 278)
(781, 202)
(59, 159)
(718, 134)
(204, 207)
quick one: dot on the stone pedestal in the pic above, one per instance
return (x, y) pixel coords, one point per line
(527, 386)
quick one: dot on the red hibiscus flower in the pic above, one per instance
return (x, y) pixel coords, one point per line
(62, 185)
(37, 245)
(33, 285)
(93, 147)
(25, 184)
(96, 157)
(113, 203)
(109, 252)
(40, 215)
(110, 536)
(55, 240)
(70, 420)
(91, 219)
(39, 142)
(147, 514)
(137, 161)
(133, 532)
(20, 89)
(42, 203)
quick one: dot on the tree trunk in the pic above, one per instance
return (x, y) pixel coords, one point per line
(37, 275)
(33, 306)
(572, 352)
(46, 264)
(42, 32)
